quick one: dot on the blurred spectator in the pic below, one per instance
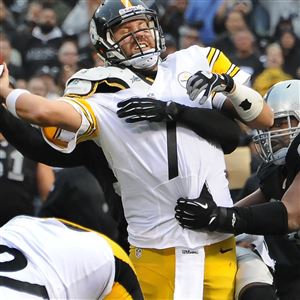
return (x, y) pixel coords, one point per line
(280, 11)
(17, 8)
(37, 86)
(68, 58)
(174, 17)
(30, 20)
(256, 15)
(246, 53)
(204, 12)
(49, 77)
(6, 53)
(291, 52)
(61, 8)
(41, 46)
(234, 22)
(273, 71)
(78, 19)
(7, 23)
(188, 36)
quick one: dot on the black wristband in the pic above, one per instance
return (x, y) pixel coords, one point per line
(229, 83)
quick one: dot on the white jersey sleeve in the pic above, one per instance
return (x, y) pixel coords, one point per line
(70, 264)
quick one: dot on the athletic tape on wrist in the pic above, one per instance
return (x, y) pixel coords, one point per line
(247, 102)
(12, 98)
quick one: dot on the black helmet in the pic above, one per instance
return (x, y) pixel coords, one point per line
(112, 13)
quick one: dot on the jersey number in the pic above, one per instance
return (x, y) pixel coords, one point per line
(18, 263)
(172, 150)
(15, 172)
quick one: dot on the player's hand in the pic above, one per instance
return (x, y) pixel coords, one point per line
(208, 82)
(4, 83)
(196, 213)
(152, 110)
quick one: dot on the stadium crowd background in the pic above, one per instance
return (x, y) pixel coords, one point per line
(44, 42)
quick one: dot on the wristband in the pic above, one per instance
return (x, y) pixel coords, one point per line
(12, 98)
(247, 102)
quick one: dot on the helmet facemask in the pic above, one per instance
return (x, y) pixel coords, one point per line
(110, 49)
(284, 100)
(144, 59)
(272, 145)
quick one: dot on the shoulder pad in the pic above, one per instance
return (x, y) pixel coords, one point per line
(85, 81)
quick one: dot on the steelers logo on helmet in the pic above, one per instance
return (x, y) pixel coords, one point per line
(113, 13)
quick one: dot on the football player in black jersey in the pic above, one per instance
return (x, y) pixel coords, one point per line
(279, 179)
(22, 180)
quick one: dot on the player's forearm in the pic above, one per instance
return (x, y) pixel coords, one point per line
(264, 120)
(250, 107)
(263, 219)
(41, 111)
(212, 125)
(255, 198)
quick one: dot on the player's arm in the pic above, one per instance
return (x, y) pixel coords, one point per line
(65, 121)
(45, 178)
(210, 124)
(242, 102)
(29, 141)
(250, 215)
(291, 201)
(39, 110)
(225, 79)
(275, 217)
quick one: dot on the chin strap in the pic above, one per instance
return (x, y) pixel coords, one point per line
(145, 61)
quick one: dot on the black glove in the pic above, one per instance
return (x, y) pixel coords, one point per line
(152, 110)
(210, 82)
(196, 213)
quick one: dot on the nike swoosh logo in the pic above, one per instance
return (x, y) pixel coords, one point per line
(205, 206)
(225, 250)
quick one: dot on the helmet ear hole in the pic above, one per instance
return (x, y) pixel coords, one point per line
(112, 13)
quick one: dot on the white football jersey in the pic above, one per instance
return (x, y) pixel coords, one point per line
(155, 163)
(37, 264)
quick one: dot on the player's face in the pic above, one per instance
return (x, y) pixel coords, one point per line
(134, 37)
(284, 140)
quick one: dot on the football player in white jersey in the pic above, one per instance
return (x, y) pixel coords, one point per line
(129, 108)
(56, 259)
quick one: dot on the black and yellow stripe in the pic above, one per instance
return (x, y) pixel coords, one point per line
(219, 63)
(126, 286)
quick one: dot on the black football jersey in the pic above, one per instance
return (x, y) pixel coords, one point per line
(284, 249)
(17, 183)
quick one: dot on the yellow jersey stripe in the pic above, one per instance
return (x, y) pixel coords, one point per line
(126, 3)
(88, 112)
(113, 84)
(235, 71)
(210, 55)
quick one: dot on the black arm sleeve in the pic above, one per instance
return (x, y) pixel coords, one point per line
(212, 125)
(269, 218)
(29, 141)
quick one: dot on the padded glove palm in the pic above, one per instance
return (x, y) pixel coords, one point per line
(208, 82)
